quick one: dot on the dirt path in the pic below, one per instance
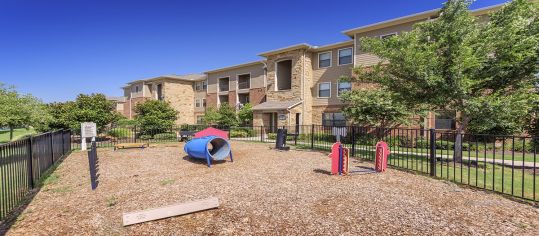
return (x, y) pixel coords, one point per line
(262, 192)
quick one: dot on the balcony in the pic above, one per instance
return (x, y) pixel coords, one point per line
(244, 81)
(244, 85)
(224, 84)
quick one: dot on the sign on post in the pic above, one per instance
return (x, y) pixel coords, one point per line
(87, 130)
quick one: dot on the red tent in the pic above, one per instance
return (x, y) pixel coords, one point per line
(212, 132)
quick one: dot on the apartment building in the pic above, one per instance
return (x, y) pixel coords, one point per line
(294, 85)
(179, 90)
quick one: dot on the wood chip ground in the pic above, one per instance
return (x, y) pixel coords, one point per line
(263, 192)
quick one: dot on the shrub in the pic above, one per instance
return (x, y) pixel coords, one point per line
(120, 133)
(165, 136)
(242, 133)
(145, 137)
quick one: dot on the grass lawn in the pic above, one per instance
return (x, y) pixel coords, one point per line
(17, 133)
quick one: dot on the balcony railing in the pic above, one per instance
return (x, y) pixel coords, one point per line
(244, 85)
(223, 87)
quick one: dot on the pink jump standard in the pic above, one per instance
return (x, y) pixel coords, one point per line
(339, 159)
(382, 151)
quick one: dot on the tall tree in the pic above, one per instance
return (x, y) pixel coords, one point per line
(245, 114)
(155, 116)
(458, 62)
(86, 108)
(376, 107)
(20, 111)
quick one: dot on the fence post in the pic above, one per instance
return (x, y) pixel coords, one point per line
(30, 163)
(432, 144)
(312, 136)
(261, 133)
(63, 143)
(52, 148)
(135, 133)
(353, 141)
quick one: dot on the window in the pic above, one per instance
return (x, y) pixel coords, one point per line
(223, 84)
(333, 119)
(223, 99)
(197, 103)
(445, 120)
(324, 90)
(244, 81)
(343, 87)
(200, 120)
(203, 102)
(201, 85)
(386, 36)
(160, 92)
(324, 59)
(243, 98)
(136, 89)
(345, 56)
(284, 75)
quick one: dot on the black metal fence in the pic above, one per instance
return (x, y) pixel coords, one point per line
(501, 163)
(93, 162)
(23, 162)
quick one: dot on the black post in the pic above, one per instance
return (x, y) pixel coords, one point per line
(135, 133)
(30, 164)
(353, 141)
(261, 133)
(52, 149)
(432, 143)
(312, 136)
(63, 142)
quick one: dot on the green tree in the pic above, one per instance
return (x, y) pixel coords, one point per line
(86, 108)
(155, 116)
(210, 116)
(18, 111)
(245, 114)
(227, 115)
(460, 63)
(376, 107)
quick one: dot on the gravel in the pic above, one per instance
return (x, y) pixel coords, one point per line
(263, 191)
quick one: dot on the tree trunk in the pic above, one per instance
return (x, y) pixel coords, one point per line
(10, 133)
(458, 139)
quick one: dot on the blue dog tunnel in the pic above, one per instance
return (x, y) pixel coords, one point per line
(209, 148)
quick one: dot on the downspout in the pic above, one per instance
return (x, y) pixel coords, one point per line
(303, 89)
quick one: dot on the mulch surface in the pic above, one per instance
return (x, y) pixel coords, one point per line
(263, 191)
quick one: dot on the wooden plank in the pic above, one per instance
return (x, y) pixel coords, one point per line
(131, 145)
(169, 211)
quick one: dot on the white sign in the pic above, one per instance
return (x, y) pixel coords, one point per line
(88, 130)
(341, 131)
(282, 117)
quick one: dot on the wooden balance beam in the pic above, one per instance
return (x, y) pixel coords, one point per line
(130, 145)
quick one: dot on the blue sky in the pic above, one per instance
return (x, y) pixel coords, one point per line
(56, 49)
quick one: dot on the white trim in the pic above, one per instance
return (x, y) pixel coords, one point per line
(354, 51)
(197, 100)
(238, 80)
(339, 86)
(389, 34)
(318, 90)
(339, 57)
(330, 59)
